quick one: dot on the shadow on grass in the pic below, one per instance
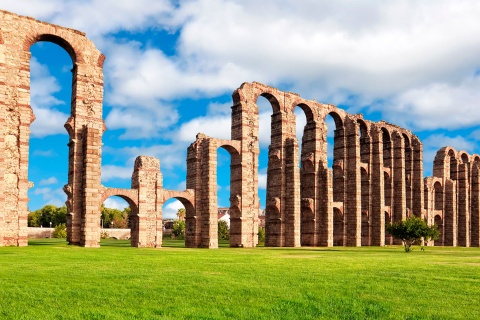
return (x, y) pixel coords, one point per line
(47, 242)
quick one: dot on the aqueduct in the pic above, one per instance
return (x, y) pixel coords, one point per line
(376, 175)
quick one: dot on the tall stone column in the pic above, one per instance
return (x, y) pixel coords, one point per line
(352, 203)
(147, 179)
(450, 213)
(378, 193)
(475, 207)
(399, 197)
(417, 182)
(463, 204)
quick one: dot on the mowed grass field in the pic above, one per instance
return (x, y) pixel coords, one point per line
(51, 280)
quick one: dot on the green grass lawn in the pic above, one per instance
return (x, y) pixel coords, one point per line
(51, 280)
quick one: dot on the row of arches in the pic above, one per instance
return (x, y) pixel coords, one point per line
(452, 197)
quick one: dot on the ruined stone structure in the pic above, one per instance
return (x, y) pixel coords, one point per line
(375, 177)
(452, 197)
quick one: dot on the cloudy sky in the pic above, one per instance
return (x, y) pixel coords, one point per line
(172, 65)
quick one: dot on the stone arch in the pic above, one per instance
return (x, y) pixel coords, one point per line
(75, 55)
(439, 222)
(437, 196)
(85, 126)
(463, 156)
(131, 197)
(338, 227)
(193, 233)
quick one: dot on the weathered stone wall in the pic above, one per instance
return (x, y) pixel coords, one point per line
(452, 196)
(85, 127)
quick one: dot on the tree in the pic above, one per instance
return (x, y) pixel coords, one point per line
(181, 214)
(47, 214)
(114, 218)
(223, 230)
(412, 230)
(179, 229)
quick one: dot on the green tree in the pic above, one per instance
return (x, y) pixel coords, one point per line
(179, 229)
(223, 230)
(47, 214)
(411, 231)
(114, 218)
(181, 213)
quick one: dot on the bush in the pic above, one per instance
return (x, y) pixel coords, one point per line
(104, 235)
(179, 229)
(261, 235)
(60, 231)
(223, 230)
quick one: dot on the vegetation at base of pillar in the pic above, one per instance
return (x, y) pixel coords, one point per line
(46, 215)
(412, 231)
(114, 218)
(223, 230)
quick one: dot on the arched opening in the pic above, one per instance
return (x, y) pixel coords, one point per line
(115, 220)
(338, 227)
(229, 181)
(409, 174)
(224, 175)
(50, 68)
(174, 223)
(453, 165)
(269, 169)
(336, 161)
(365, 229)
(439, 222)
(438, 196)
(388, 220)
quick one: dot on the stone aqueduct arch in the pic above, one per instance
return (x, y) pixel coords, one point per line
(376, 174)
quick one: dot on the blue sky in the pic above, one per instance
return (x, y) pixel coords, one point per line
(172, 65)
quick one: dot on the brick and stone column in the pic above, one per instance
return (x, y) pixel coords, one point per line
(450, 213)
(147, 179)
(474, 205)
(463, 205)
(378, 193)
(352, 203)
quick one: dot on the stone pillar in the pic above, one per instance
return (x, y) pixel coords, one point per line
(450, 213)
(417, 182)
(399, 197)
(475, 208)
(245, 130)
(209, 214)
(309, 184)
(194, 182)
(352, 203)
(292, 195)
(463, 204)
(275, 215)
(378, 193)
(147, 179)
